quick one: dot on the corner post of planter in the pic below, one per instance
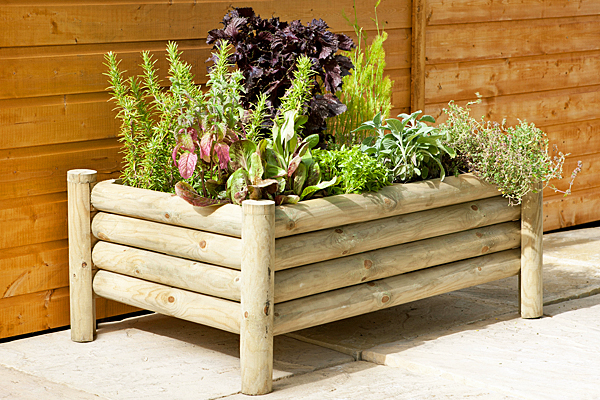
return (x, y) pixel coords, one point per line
(531, 291)
(82, 304)
(258, 278)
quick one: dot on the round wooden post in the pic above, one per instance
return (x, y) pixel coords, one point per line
(83, 313)
(258, 277)
(532, 296)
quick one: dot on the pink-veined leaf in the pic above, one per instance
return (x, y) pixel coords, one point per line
(187, 164)
(174, 155)
(294, 165)
(206, 147)
(187, 192)
(222, 151)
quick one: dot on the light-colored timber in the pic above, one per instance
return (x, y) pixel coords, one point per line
(194, 307)
(392, 200)
(165, 207)
(168, 270)
(173, 240)
(320, 277)
(357, 238)
(532, 295)
(256, 330)
(372, 296)
(417, 69)
(82, 309)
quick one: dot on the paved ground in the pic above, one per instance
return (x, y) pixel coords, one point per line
(468, 344)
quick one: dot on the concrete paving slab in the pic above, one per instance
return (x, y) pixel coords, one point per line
(361, 380)
(154, 357)
(549, 358)
(17, 385)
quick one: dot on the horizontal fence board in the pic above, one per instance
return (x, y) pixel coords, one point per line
(117, 22)
(194, 307)
(181, 242)
(588, 178)
(372, 296)
(167, 270)
(32, 220)
(490, 78)
(43, 170)
(366, 236)
(482, 41)
(35, 268)
(44, 310)
(393, 200)
(346, 271)
(400, 87)
(468, 11)
(543, 108)
(577, 138)
(57, 119)
(578, 208)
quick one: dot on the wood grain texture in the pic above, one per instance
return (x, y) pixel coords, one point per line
(194, 307)
(367, 297)
(578, 208)
(469, 11)
(181, 242)
(578, 138)
(393, 200)
(382, 263)
(532, 252)
(167, 270)
(417, 68)
(482, 41)
(167, 208)
(366, 236)
(81, 271)
(258, 280)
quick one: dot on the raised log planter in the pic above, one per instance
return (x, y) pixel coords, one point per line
(261, 270)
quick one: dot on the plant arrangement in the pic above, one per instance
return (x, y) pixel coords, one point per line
(256, 132)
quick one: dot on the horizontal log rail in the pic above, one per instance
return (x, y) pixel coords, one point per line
(303, 217)
(168, 270)
(320, 277)
(194, 307)
(168, 239)
(343, 241)
(372, 296)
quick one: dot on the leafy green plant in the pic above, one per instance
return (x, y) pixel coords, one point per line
(411, 150)
(356, 171)
(516, 159)
(366, 91)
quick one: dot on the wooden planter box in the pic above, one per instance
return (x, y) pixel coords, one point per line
(261, 270)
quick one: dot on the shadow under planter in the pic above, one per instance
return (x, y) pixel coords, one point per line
(261, 270)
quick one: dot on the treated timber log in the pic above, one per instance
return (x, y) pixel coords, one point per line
(256, 327)
(173, 240)
(372, 296)
(365, 267)
(531, 295)
(167, 270)
(165, 207)
(194, 307)
(392, 200)
(357, 238)
(82, 304)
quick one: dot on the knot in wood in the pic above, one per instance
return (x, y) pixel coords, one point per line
(338, 230)
(385, 299)
(202, 244)
(171, 299)
(368, 264)
(479, 234)
(83, 264)
(371, 283)
(485, 249)
(246, 314)
(291, 225)
(479, 268)
(167, 216)
(474, 207)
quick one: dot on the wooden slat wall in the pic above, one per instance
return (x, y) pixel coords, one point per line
(55, 116)
(537, 60)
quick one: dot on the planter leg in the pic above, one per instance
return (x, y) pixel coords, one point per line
(83, 310)
(530, 278)
(256, 329)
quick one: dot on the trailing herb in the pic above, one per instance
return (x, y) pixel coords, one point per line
(356, 172)
(516, 159)
(411, 150)
(267, 50)
(366, 91)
